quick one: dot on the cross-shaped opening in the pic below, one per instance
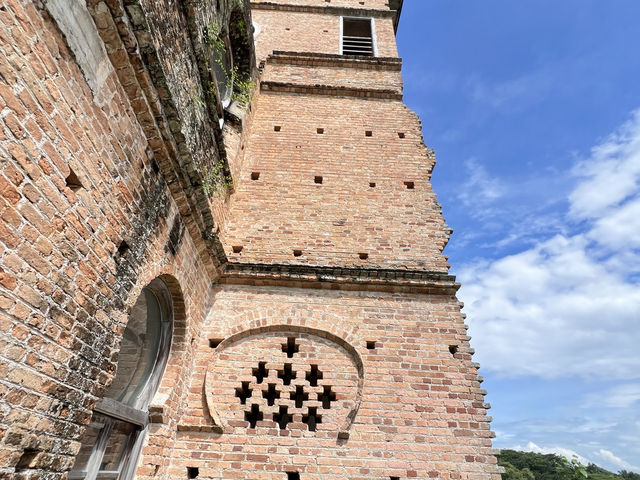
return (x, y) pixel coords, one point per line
(253, 416)
(282, 418)
(313, 376)
(290, 347)
(299, 396)
(286, 374)
(326, 397)
(243, 392)
(312, 419)
(261, 372)
(271, 394)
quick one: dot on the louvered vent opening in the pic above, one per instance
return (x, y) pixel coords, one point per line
(356, 37)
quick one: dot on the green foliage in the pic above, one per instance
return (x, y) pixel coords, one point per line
(629, 475)
(571, 469)
(538, 466)
(241, 89)
(214, 180)
(513, 473)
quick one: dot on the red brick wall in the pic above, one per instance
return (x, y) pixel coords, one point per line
(312, 32)
(333, 222)
(74, 258)
(64, 285)
(421, 413)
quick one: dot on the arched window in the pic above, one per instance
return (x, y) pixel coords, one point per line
(112, 442)
(222, 70)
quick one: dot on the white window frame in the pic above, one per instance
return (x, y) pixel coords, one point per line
(374, 36)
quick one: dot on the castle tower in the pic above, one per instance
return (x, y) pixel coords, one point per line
(336, 344)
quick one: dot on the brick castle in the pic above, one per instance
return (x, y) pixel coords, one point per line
(220, 252)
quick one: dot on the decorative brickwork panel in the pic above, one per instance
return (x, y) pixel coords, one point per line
(293, 382)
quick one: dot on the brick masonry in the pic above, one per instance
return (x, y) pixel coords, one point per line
(316, 330)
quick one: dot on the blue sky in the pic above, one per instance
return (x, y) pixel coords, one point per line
(533, 110)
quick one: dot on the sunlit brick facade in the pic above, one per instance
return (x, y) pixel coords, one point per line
(264, 281)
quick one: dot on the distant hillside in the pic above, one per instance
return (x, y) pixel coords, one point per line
(538, 466)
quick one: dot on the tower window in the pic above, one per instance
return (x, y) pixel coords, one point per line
(357, 37)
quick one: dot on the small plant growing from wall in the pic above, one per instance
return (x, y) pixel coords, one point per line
(215, 180)
(226, 83)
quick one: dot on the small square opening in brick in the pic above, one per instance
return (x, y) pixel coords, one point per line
(297, 253)
(123, 248)
(453, 349)
(237, 248)
(294, 475)
(400, 134)
(409, 185)
(193, 472)
(371, 344)
(73, 182)
(363, 256)
(320, 131)
(394, 478)
(372, 184)
(317, 179)
(368, 133)
(214, 342)
(287, 29)
(255, 175)
(277, 128)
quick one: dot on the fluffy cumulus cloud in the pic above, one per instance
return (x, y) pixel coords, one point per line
(609, 457)
(568, 305)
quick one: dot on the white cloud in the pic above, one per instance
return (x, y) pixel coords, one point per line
(610, 175)
(615, 460)
(565, 452)
(480, 189)
(621, 396)
(568, 306)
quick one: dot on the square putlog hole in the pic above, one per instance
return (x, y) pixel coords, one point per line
(409, 185)
(73, 182)
(214, 342)
(317, 179)
(255, 175)
(277, 128)
(297, 253)
(400, 134)
(237, 248)
(320, 131)
(372, 184)
(371, 344)
(363, 256)
(368, 133)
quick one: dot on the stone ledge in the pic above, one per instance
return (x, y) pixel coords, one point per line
(281, 57)
(286, 87)
(329, 9)
(339, 278)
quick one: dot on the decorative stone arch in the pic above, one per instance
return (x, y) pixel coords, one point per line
(257, 328)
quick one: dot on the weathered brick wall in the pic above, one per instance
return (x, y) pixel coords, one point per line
(335, 221)
(421, 410)
(88, 219)
(364, 373)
